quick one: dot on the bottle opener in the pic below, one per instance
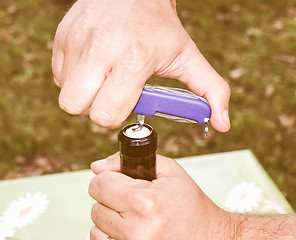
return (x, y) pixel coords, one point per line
(175, 104)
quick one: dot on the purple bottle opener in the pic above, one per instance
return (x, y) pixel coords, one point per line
(172, 103)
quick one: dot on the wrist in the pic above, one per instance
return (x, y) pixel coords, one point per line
(265, 227)
(228, 226)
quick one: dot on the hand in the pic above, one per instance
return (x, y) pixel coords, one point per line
(104, 52)
(170, 207)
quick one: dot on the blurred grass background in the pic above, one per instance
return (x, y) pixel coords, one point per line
(251, 44)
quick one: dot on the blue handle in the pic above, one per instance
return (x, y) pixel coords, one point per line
(152, 102)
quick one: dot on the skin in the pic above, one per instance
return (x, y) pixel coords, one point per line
(170, 207)
(133, 209)
(105, 51)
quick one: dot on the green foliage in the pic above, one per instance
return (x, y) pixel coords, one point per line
(251, 44)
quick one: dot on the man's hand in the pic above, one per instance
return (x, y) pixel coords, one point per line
(105, 50)
(170, 207)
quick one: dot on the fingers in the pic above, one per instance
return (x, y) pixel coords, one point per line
(57, 63)
(81, 86)
(122, 89)
(202, 79)
(77, 64)
(165, 166)
(65, 47)
(110, 100)
(117, 189)
(107, 220)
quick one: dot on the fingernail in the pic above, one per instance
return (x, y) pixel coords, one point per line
(226, 117)
(98, 163)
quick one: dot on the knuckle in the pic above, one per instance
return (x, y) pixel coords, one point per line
(103, 119)
(59, 33)
(225, 88)
(222, 88)
(97, 184)
(99, 37)
(100, 33)
(55, 79)
(74, 37)
(144, 205)
(137, 56)
(69, 107)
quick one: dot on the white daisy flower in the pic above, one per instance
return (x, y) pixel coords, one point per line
(6, 231)
(244, 197)
(24, 210)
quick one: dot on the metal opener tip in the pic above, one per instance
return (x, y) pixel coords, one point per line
(140, 120)
(206, 134)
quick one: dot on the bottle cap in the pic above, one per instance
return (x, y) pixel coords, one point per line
(137, 143)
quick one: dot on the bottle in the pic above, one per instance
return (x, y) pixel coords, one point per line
(137, 147)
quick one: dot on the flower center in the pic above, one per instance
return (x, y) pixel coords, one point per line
(243, 196)
(25, 211)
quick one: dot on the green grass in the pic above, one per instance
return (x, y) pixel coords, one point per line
(257, 41)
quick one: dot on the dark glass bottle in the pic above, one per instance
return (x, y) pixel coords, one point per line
(137, 148)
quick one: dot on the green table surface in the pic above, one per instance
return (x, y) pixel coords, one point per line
(57, 206)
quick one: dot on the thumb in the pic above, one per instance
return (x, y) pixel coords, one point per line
(195, 71)
(111, 163)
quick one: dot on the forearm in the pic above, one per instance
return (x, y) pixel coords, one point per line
(266, 227)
